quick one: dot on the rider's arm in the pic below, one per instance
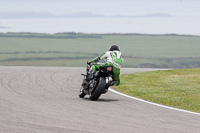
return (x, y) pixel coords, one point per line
(103, 56)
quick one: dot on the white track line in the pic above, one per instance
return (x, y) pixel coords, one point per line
(112, 90)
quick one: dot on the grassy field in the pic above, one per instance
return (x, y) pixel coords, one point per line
(178, 88)
(72, 49)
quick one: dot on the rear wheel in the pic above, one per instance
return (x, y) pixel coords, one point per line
(99, 89)
(82, 93)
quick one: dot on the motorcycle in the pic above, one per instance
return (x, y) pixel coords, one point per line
(96, 83)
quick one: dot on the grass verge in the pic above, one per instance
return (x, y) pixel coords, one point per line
(179, 88)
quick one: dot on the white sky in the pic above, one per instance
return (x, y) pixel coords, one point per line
(106, 7)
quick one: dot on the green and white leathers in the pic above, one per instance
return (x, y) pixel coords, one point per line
(113, 58)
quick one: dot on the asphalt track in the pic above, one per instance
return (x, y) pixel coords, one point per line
(45, 100)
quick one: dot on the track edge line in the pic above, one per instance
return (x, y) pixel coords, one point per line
(156, 104)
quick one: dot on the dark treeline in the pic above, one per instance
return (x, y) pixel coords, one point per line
(66, 35)
(72, 35)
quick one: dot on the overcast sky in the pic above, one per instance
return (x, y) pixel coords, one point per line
(106, 7)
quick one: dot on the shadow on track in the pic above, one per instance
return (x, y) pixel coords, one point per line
(101, 100)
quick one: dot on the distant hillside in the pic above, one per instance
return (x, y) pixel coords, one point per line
(81, 14)
(26, 15)
(3, 27)
(158, 15)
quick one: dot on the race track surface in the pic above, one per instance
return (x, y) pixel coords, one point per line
(45, 100)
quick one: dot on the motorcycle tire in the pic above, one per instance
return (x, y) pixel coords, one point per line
(99, 89)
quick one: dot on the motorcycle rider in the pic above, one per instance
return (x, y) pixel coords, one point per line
(113, 58)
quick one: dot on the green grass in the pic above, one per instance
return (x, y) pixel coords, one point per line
(178, 88)
(169, 51)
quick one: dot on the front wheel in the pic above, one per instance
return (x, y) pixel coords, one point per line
(82, 93)
(99, 89)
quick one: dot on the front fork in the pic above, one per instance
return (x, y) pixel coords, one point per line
(88, 86)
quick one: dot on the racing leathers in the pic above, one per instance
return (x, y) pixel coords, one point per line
(113, 58)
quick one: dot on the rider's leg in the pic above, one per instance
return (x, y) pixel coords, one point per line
(93, 69)
(116, 73)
